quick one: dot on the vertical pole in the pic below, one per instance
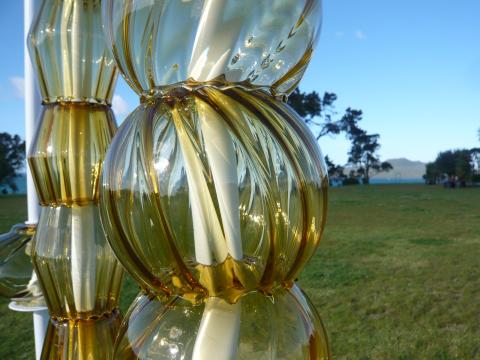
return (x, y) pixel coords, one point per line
(32, 113)
(41, 318)
(32, 107)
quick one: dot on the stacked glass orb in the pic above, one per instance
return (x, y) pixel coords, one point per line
(214, 191)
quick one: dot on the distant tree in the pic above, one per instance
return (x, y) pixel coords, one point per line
(318, 112)
(446, 162)
(353, 178)
(475, 154)
(309, 105)
(464, 166)
(454, 166)
(349, 123)
(432, 174)
(336, 173)
(363, 152)
(12, 157)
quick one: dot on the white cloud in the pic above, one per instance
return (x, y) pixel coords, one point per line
(360, 35)
(119, 105)
(18, 84)
(339, 34)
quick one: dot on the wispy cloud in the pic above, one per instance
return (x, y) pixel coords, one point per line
(18, 84)
(360, 35)
(119, 105)
(339, 34)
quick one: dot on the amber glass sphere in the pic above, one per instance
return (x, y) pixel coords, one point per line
(213, 193)
(260, 42)
(284, 326)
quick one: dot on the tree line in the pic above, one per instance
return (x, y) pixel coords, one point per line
(454, 168)
(319, 114)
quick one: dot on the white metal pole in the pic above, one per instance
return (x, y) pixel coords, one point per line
(41, 318)
(40, 323)
(32, 107)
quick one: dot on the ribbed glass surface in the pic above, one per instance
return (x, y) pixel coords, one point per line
(77, 270)
(68, 49)
(213, 192)
(81, 339)
(284, 326)
(67, 154)
(259, 42)
(15, 265)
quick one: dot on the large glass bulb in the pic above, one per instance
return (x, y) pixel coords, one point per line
(213, 192)
(283, 326)
(265, 43)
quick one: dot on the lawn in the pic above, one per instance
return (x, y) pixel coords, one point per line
(397, 275)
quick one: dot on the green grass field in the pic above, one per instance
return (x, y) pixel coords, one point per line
(397, 275)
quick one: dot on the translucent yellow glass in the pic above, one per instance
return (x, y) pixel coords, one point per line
(79, 275)
(161, 187)
(82, 339)
(78, 272)
(15, 265)
(265, 43)
(68, 152)
(68, 49)
(213, 191)
(283, 326)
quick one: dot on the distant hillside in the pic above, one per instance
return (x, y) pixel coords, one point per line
(403, 169)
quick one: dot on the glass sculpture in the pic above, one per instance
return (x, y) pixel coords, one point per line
(15, 264)
(214, 192)
(77, 270)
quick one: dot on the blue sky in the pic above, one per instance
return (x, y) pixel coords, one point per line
(413, 67)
